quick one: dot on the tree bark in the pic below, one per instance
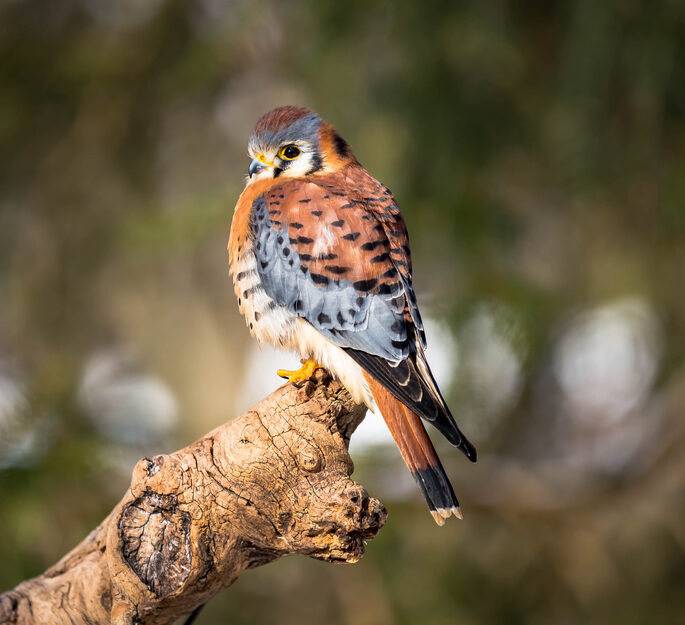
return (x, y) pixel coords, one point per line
(272, 482)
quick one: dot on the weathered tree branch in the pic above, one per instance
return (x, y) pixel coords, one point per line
(273, 482)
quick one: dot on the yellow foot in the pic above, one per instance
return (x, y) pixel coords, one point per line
(305, 372)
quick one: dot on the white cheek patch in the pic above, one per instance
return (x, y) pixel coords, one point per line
(300, 166)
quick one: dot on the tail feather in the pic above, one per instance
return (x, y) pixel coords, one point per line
(418, 453)
(412, 383)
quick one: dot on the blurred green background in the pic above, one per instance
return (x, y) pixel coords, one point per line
(538, 153)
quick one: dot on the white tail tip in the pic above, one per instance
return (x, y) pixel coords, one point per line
(441, 514)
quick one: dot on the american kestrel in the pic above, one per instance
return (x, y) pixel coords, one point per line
(321, 265)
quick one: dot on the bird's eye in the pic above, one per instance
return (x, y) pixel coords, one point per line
(289, 152)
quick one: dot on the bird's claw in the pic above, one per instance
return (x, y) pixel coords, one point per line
(302, 374)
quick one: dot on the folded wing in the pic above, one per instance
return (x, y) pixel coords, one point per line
(336, 253)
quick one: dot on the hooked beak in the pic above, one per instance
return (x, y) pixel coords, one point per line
(256, 165)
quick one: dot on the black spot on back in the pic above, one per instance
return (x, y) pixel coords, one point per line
(388, 289)
(365, 285)
(317, 278)
(372, 245)
(381, 258)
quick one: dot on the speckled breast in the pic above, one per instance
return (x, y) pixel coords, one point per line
(268, 321)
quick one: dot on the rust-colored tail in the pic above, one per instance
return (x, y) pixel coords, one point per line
(418, 453)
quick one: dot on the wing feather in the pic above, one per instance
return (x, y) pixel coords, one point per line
(335, 251)
(356, 294)
(411, 382)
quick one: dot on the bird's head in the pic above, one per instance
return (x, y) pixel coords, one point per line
(292, 142)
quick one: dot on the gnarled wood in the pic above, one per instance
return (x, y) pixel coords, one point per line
(273, 482)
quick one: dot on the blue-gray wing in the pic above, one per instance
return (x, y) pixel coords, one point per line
(340, 260)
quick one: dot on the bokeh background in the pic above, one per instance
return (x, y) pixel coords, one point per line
(538, 153)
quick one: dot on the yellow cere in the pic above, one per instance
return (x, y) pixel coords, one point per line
(260, 157)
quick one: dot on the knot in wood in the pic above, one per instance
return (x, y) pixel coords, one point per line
(155, 541)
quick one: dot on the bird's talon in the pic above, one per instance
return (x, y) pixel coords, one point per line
(302, 374)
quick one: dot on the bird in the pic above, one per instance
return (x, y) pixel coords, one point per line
(321, 264)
